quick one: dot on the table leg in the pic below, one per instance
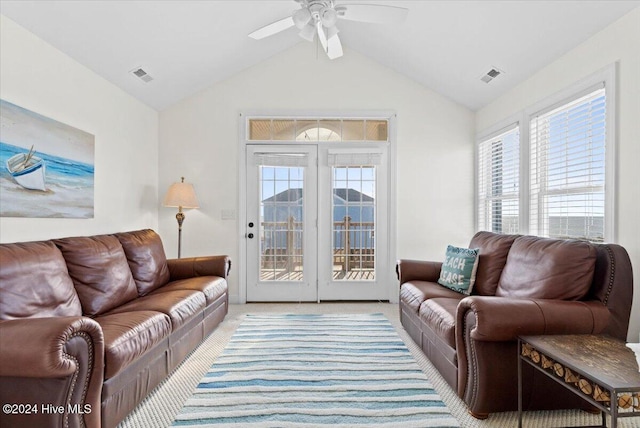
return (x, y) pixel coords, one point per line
(604, 419)
(519, 384)
(614, 409)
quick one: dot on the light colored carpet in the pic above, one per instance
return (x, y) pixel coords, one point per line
(315, 370)
(162, 406)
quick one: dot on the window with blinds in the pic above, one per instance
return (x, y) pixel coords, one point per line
(567, 168)
(499, 182)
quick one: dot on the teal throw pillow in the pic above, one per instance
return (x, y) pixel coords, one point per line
(459, 269)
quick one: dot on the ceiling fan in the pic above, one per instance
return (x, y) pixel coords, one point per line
(320, 17)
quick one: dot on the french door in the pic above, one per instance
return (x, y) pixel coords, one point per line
(281, 223)
(317, 222)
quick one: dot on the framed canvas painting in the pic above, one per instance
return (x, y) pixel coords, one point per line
(46, 167)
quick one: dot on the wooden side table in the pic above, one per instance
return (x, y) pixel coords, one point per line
(600, 369)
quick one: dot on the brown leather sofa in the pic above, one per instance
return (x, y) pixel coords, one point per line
(90, 325)
(525, 285)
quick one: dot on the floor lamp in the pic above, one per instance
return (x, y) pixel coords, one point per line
(181, 195)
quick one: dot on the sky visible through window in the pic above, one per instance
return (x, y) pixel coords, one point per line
(576, 154)
(281, 179)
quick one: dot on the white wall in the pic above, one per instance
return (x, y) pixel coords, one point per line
(199, 140)
(38, 77)
(618, 42)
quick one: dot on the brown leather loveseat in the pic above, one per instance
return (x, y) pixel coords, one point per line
(525, 285)
(90, 325)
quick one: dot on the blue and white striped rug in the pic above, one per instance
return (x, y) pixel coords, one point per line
(315, 370)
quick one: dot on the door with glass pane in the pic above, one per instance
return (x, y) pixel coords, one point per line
(281, 223)
(353, 223)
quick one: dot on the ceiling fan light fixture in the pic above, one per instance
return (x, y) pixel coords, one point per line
(301, 17)
(328, 17)
(308, 32)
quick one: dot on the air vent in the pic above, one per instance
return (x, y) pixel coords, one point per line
(491, 74)
(141, 74)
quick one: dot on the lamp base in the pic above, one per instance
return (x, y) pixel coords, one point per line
(180, 218)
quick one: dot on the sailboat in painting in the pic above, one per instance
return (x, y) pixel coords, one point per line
(28, 170)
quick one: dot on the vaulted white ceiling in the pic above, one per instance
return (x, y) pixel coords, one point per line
(189, 45)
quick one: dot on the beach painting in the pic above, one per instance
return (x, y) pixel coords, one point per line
(46, 167)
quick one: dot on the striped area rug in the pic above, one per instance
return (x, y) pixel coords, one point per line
(315, 370)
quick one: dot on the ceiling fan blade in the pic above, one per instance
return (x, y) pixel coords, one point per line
(322, 36)
(273, 28)
(334, 47)
(373, 13)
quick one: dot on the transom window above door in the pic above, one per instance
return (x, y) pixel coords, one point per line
(318, 130)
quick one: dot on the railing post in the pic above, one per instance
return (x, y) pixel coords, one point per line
(347, 242)
(290, 243)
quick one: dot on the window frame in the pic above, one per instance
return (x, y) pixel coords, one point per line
(605, 76)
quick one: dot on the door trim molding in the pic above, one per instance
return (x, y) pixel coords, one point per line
(242, 211)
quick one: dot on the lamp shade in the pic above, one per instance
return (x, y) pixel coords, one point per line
(181, 195)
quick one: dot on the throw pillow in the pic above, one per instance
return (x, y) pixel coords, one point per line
(459, 269)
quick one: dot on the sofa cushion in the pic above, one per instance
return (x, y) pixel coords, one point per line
(100, 272)
(129, 335)
(494, 249)
(458, 270)
(440, 315)
(212, 286)
(413, 293)
(179, 305)
(34, 282)
(146, 258)
(543, 268)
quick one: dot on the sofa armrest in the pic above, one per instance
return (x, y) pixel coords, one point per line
(503, 319)
(36, 347)
(199, 266)
(409, 270)
(486, 329)
(55, 361)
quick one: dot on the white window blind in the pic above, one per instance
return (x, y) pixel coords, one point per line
(567, 168)
(339, 158)
(499, 182)
(281, 159)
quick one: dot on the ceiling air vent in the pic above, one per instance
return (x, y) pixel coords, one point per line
(141, 74)
(491, 74)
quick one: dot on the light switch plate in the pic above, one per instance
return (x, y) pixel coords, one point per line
(228, 214)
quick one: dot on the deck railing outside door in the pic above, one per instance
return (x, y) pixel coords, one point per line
(353, 245)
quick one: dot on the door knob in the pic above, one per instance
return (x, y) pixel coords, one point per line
(250, 236)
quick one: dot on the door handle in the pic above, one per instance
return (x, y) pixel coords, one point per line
(250, 235)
